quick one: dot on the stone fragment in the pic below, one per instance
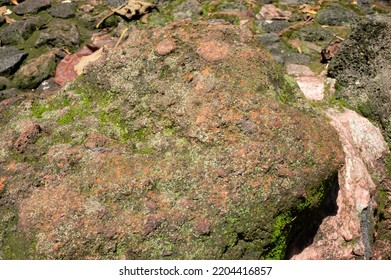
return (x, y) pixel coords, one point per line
(28, 136)
(312, 87)
(188, 9)
(268, 39)
(59, 35)
(31, 7)
(346, 235)
(336, 15)
(10, 59)
(47, 87)
(35, 71)
(165, 46)
(19, 31)
(63, 10)
(7, 93)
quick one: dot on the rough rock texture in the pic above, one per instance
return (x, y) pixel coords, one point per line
(7, 93)
(10, 59)
(336, 15)
(59, 35)
(166, 150)
(362, 68)
(349, 233)
(31, 7)
(4, 82)
(188, 9)
(63, 10)
(18, 32)
(35, 71)
(311, 84)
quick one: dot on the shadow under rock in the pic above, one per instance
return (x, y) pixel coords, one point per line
(306, 225)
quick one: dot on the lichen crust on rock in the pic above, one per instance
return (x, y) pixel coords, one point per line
(188, 142)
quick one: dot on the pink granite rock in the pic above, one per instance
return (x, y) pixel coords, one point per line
(345, 235)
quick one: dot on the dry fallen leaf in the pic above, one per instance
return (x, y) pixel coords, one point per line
(86, 60)
(331, 50)
(65, 70)
(296, 43)
(15, 2)
(269, 12)
(9, 20)
(309, 9)
(130, 9)
(3, 9)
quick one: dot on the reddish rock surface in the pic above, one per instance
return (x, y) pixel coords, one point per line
(188, 155)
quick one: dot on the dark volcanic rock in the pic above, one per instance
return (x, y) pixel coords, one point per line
(63, 10)
(10, 59)
(336, 15)
(31, 6)
(363, 70)
(59, 34)
(169, 147)
(274, 26)
(268, 39)
(313, 33)
(19, 31)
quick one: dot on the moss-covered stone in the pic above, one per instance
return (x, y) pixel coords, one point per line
(185, 153)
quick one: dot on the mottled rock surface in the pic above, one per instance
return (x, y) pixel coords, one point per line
(349, 233)
(169, 148)
(362, 68)
(31, 6)
(35, 71)
(10, 59)
(63, 10)
(336, 15)
(59, 35)
(19, 31)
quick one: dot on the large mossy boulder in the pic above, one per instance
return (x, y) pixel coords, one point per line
(188, 142)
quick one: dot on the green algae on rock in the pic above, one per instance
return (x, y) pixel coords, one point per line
(186, 143)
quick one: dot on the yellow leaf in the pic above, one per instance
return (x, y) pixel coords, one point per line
(9, 20)
(313, 12)
(85, 60)
(296, 43)
(15, 2)
(3, 9)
